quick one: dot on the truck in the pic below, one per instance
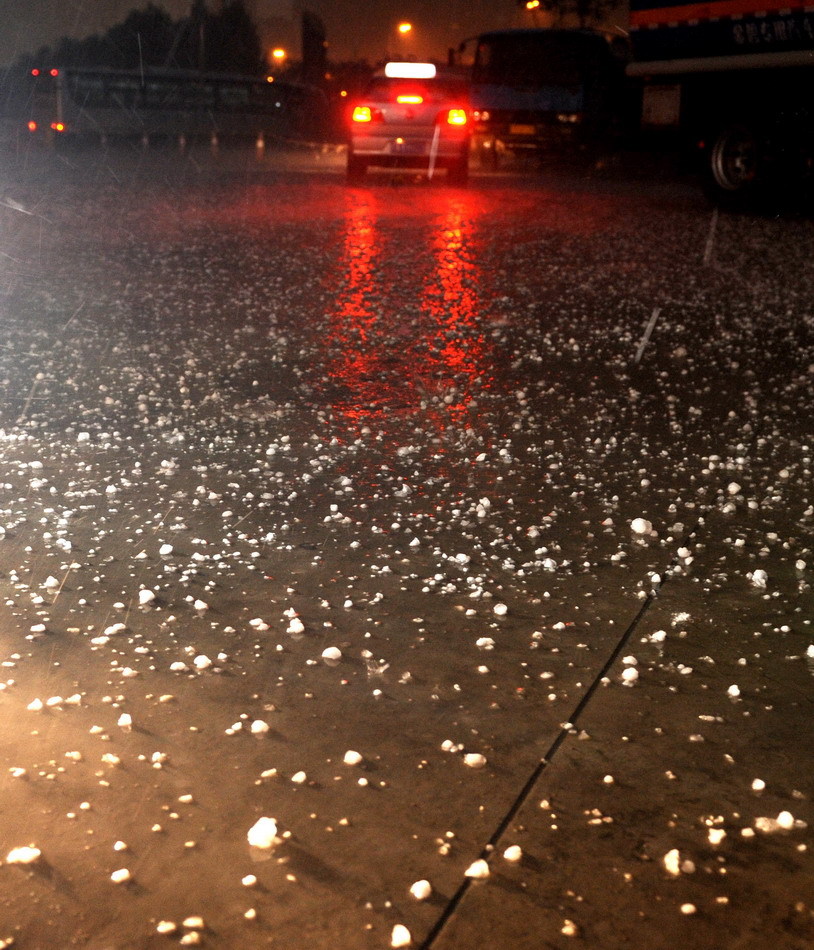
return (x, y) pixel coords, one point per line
(735, 80)
(545, 91)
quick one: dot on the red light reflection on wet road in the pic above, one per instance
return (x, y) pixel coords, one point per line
(405, 329)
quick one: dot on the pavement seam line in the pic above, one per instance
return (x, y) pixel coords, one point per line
(566, 729)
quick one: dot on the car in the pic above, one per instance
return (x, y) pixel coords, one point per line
(412, 115)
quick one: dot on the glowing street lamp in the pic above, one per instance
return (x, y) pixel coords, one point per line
(405, 28)
(278, 54)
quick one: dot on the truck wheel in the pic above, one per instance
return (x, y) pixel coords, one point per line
(356, 168)
(734, 162)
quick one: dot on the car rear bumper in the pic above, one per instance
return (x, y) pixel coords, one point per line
(409, 151)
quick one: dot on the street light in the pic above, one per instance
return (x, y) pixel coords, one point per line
(278, 54)
(405, 28)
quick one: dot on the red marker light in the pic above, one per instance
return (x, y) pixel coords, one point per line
(362, 114)
(54, 72)
(58, 126)
(457, 117)
(32, 126)
(35, 72)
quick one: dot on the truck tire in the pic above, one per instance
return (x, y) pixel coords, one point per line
(735, 164)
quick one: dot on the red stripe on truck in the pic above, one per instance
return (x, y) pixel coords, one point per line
(715, 9)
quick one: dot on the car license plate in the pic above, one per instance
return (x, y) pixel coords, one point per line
(407, 148)
(521, 130)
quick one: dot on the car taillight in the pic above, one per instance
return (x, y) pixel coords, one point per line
(58, 126)
(410, 100)
(362, 114)
(32, 126)
(457, 117)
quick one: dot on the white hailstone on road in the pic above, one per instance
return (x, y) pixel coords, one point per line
(332, 653)
(500, 610)
(478, 870)
(641, 526)
(733, 691)
(421, 890)
(299, 778)
(166, 927)
(202, 662)
(474, 760)
(201, 605)
(50, 582)
(688, 909)
(513, 853)
(249, 880)
(259, 727)
(759, 578)
(733, 488)
(259, 624)
(758, 785)
(569, 928)
(263, 833)
(122, 876)
(165, 550)
(672, 862)
(485, 643)
(35, 705)
(630, 675)
(125, 721)
(800, 564)
(295, 626)
(352, 758)
(401, 936)
(23, 855)
(194, 922)
(145, 597)
(716, 836)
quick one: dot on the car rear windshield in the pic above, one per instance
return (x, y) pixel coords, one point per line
(384, 89)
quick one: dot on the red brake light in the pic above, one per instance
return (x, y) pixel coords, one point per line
(54, 72)
(412, 100)
(35, 72)
(362, 114)
(58, 126)
(32, 126)
(457, 117)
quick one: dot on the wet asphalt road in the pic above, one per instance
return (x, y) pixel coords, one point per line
(291, 470)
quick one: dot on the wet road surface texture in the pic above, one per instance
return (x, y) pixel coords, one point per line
(463, 535)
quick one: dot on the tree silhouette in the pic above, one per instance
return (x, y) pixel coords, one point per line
(226, 41)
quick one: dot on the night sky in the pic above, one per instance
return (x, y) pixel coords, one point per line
(355, 28)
